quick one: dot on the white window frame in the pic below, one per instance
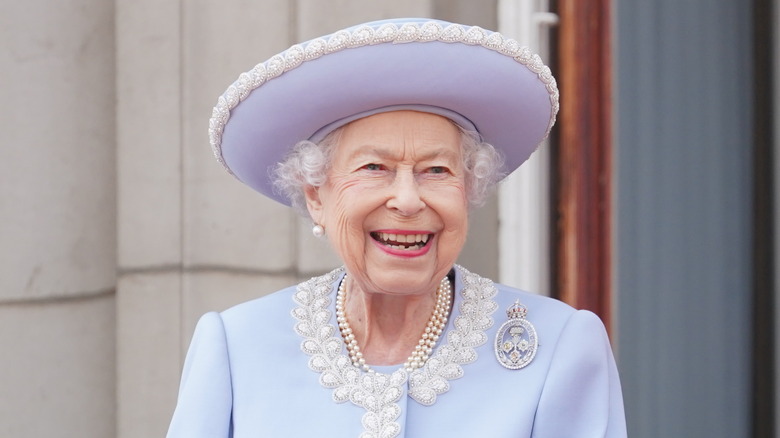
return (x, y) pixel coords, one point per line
(524, 197)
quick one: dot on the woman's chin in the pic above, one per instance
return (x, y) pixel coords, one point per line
(399, 271)
(392, 279)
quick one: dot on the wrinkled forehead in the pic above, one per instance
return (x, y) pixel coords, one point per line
(398, 135)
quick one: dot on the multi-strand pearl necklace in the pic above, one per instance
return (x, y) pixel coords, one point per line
(424, 346)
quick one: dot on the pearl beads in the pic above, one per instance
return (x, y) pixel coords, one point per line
(426, 344)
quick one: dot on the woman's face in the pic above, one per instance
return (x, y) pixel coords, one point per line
(394, 205)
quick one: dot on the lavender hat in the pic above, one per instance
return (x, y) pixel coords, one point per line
(479, 79)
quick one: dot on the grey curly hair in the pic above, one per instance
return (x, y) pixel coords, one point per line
(307, 164)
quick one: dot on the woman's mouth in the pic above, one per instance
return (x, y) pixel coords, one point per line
(403, 242)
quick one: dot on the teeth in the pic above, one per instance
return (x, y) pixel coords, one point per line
(408, 238)
(418, 240)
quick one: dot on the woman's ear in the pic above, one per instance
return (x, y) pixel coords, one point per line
(313, 202)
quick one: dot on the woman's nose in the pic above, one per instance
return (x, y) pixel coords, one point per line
(405, 195)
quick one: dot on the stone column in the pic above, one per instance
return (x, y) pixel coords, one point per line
(149, 212)
(57, 219)
(191, 238)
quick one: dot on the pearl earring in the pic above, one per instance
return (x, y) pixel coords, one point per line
(318, 230)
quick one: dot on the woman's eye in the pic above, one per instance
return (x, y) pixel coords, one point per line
(373, 166)
(437, 169)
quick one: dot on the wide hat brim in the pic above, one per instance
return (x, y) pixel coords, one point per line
(483, 80)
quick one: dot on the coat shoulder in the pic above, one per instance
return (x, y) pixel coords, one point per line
(267, 312)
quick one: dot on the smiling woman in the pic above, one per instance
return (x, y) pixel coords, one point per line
(389, 172)
(380, 181)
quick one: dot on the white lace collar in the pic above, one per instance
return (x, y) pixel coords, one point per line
(379, 393)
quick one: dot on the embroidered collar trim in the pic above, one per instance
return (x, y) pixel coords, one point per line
(379, 393)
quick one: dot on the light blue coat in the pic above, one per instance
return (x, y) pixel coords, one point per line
(247, 374)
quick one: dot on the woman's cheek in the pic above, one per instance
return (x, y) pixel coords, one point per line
(453, 191)
(346, 218)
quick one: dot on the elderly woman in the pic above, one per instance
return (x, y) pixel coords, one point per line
(386, 134)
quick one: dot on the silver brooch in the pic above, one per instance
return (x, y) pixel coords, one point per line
(516, 340)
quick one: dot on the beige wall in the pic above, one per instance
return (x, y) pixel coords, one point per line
(57, 219)
(118, 228)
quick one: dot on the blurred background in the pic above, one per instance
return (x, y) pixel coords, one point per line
(653, 204)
